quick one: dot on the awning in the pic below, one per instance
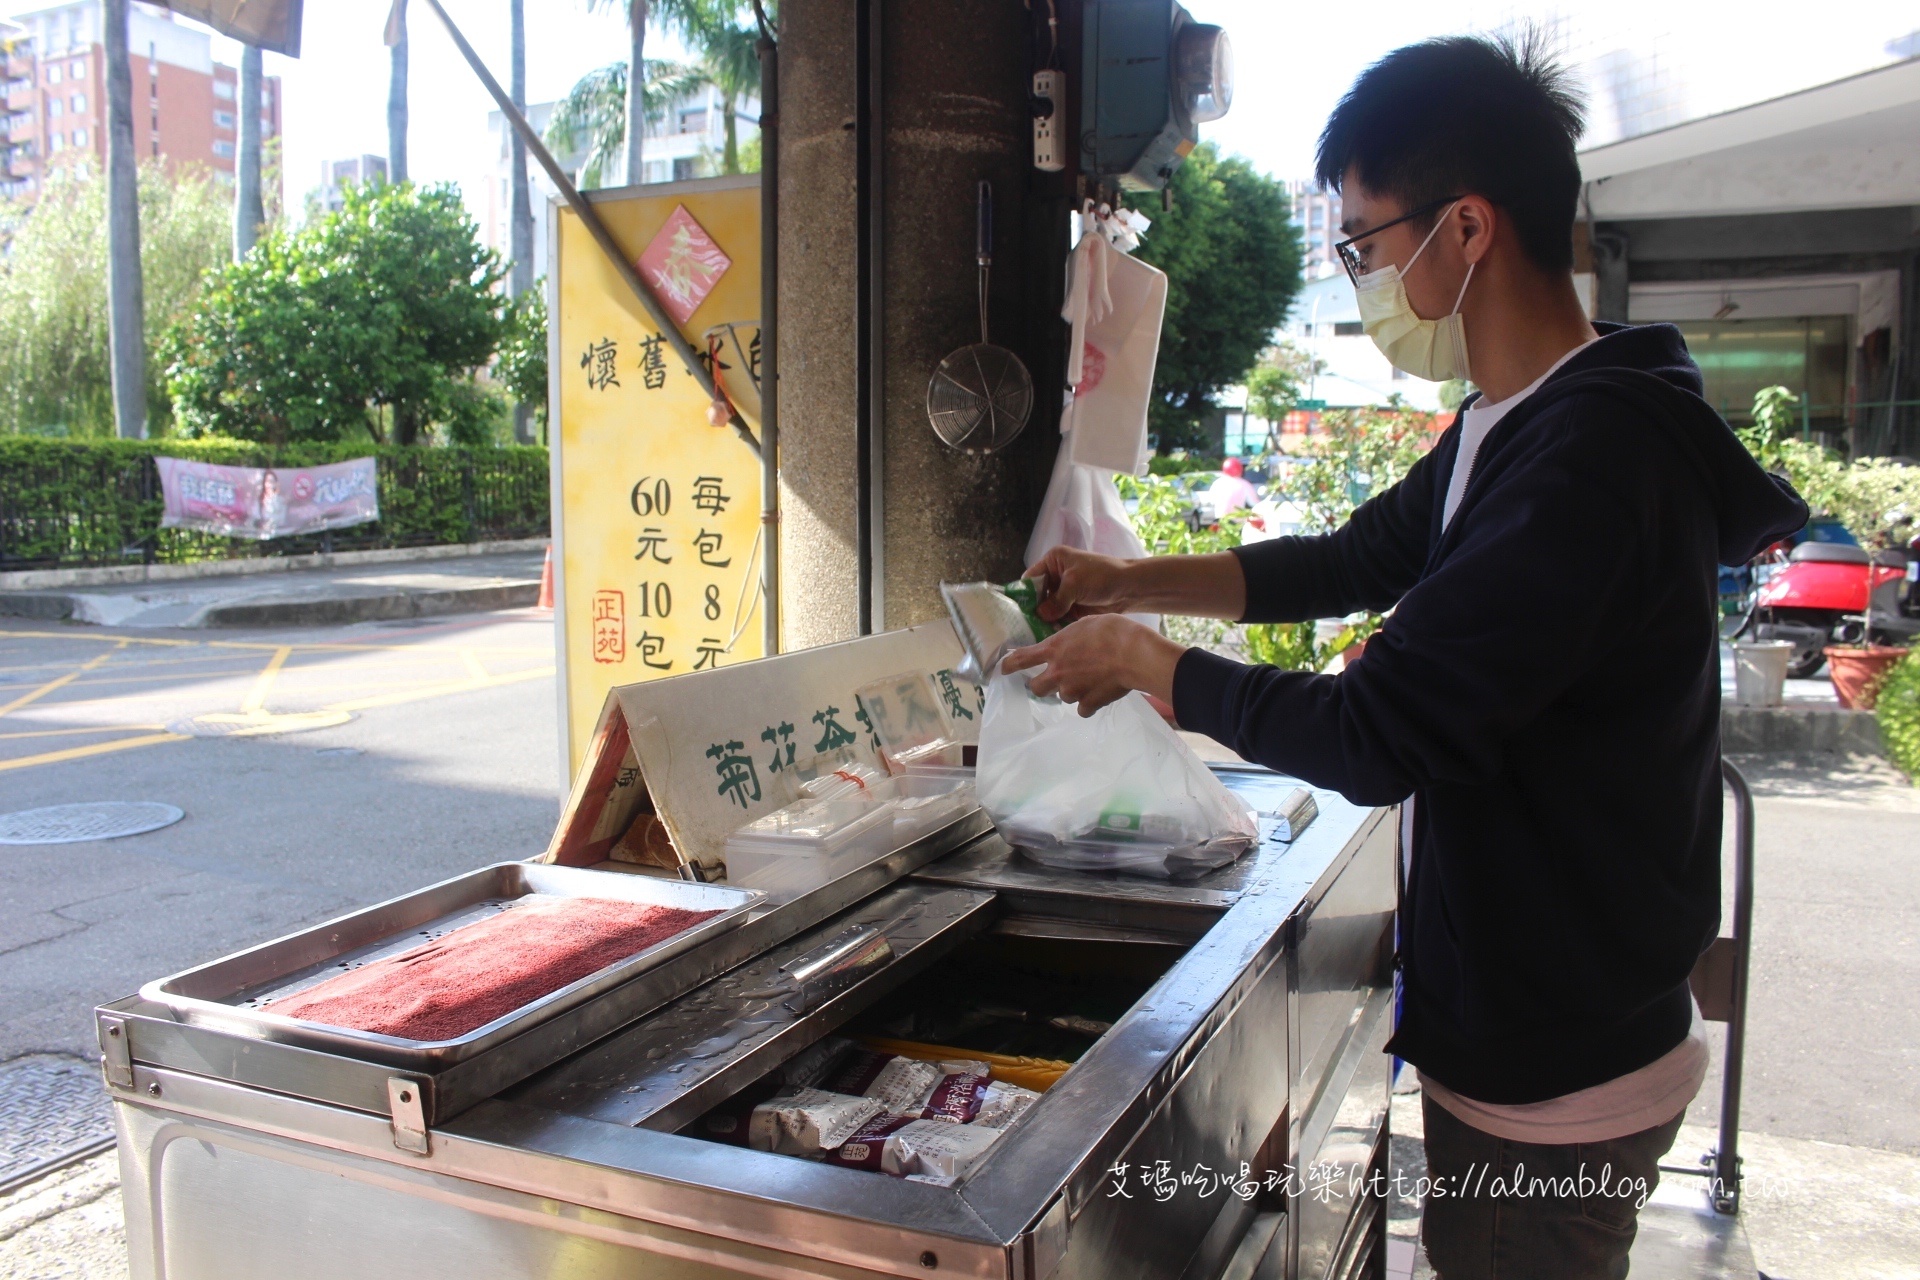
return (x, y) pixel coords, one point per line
(273, 25)
(1844, 145)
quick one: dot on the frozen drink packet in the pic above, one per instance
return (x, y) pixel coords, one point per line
(808, 1122)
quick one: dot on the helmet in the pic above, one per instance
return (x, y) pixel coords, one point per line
(1233, 467)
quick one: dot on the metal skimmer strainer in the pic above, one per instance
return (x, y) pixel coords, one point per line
(980, 397)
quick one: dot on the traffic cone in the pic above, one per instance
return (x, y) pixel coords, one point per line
(546, 582)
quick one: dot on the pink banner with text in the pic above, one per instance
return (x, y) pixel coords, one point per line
(267, 502)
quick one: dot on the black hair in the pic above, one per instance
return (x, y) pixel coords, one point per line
(1493, 116)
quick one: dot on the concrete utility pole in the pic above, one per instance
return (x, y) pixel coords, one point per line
(521, 228)
(877, 284)
(397, 93)
(248, 211)
(126, 305)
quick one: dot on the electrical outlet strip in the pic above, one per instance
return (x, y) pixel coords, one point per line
(1050, 92)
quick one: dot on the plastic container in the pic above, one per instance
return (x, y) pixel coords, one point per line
(1760, 672)
(809, 843)
(1134, 856)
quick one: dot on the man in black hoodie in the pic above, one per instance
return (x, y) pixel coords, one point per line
(1545, 694)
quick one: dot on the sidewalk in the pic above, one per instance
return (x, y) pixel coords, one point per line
(302, 597)
(1809, 719)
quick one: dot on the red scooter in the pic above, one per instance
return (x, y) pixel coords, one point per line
(1817, 594)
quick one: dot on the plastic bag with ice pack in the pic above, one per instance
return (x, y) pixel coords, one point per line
(1114, 791)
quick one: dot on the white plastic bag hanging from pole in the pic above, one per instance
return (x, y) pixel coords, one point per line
(1083, 510)
(1114, 791)
(1115, 304)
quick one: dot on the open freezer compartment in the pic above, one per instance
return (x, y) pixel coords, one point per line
(928, 1077)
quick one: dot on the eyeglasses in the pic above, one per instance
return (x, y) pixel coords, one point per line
(1350, 257)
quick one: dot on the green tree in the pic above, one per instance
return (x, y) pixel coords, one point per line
(54, 365)
(1232, 259)
(522, 363)
(372, 318)
(729, 60)
(593, 115)
(1362, 452)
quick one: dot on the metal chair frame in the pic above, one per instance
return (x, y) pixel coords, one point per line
(1720, 986)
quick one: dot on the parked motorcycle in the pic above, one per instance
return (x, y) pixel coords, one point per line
(1817, 594)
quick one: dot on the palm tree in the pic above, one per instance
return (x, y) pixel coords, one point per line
(397, 93)
(596, 112)
(730, 62)
(248, 210)
(674, 13)
(520, 237)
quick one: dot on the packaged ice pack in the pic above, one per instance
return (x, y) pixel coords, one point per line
(1002, 1103)
(865, 1148)
(935, 1149)
(808, 1122)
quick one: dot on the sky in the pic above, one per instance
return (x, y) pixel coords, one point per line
(1293, 62)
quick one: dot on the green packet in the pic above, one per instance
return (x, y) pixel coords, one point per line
(1025, 592)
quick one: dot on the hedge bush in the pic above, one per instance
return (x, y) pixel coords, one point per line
(1898, 711)
(97, 502)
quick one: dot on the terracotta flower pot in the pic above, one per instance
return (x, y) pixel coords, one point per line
(1857, 673)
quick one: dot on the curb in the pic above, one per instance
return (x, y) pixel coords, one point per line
(319, 611)
(135, 574)
(376, 608)
(1746, 730)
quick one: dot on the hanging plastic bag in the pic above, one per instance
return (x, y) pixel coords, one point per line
(1115, 304)
(1082, 510)
(1114, 791)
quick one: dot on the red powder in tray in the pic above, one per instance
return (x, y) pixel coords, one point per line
(480, 971)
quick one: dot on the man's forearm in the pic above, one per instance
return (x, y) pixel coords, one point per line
(1209, 586)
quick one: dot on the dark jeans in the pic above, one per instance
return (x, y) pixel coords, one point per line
(1504, 1210)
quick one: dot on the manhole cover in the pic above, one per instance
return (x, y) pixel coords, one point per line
(99, 820)
(229, 724)
(53, 1110)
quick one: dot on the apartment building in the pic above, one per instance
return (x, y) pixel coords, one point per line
(1316, 212)
(185, 104)
(686, 142)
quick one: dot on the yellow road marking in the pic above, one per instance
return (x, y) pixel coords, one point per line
(317, 646)
(96, 749)
(258, 697)
(59, 733)
(51, 685)
(434, 691)
(474, 667)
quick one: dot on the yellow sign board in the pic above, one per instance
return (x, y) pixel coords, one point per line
(656, 516)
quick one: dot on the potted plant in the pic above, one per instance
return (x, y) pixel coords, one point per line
(1859, 669)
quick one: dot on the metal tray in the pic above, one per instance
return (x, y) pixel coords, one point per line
(227, 993)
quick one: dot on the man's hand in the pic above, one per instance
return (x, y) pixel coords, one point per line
(1099, 660)
(1077, 584)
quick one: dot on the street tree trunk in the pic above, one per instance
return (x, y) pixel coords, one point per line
(397, 95)
(636, 88)
(248, 211)
(730, 155)
(521, 227)
(126, 306)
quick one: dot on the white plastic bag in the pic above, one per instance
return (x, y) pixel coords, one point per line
(1082, 510)
(1114, 791)
(1115, 304)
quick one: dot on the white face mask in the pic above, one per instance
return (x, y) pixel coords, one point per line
(1432, 349)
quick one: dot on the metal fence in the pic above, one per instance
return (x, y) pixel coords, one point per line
(68, 504)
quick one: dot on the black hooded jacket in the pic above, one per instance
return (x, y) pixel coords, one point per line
(1548, 686)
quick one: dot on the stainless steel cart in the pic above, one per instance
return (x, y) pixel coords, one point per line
(1223, 1125)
